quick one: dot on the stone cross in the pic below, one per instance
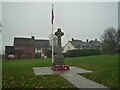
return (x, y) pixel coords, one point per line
(59, 34)
(59, 58)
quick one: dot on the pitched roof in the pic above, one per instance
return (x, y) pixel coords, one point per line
(75, 43)
(30, 42)
(23, 41)
(83, 44)
(95, 43)
(80, 44)
(41, 43)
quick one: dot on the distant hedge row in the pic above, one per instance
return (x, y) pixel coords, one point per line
(83, 52)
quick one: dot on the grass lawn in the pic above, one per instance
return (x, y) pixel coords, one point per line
(104, 67)
(19, 73)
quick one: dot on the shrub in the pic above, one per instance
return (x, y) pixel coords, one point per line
(83, 52)
(37, 55)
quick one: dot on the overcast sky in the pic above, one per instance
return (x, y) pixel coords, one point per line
(0, 32)
(77, 20)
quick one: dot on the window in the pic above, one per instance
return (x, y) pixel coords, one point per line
(68, 48)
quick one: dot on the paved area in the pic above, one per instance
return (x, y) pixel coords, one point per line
(70, 75)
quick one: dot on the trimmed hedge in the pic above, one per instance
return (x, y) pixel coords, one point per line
(83, 52)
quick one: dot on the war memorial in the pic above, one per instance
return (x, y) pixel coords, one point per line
(69, 73)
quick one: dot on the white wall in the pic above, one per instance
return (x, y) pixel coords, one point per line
(37, 51)
(67, 47)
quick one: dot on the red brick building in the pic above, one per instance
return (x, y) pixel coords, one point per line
(24, 47)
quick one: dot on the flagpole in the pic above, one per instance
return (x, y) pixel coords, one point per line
(52, 40)
(52, 45)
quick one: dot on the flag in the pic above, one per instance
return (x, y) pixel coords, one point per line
(52, 15)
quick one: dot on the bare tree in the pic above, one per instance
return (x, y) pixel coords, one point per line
(118, 37)
(110, 40)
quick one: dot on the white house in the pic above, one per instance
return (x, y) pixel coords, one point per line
(78, 44)
(67, 47)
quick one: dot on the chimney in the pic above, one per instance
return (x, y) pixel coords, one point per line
(87, 40)
(33, 37)
(72, 39)
(95, 39)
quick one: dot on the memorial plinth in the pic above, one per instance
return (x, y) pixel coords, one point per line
(58, 63)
